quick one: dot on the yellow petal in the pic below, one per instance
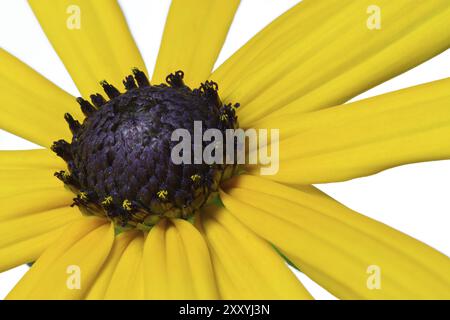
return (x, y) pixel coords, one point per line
(33, 202)
(23, 239)
(30, 159)
(155, 271)
(123, 281)
(91, 38)
(137, 289)
(246, 266)
(194, 34)
(177, 263)
(67, 269)
(322, 53)
(23, 228)
(29, 250)
(337, 247)
(33, 107)
(17, 181)
(368, 136)
(72, 234)
(198, 259)
(98, 289)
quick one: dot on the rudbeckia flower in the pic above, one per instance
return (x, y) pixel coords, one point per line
(132, 225)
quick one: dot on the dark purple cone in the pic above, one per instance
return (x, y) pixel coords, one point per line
(120, 156)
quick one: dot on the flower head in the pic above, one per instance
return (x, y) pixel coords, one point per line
(153, 229)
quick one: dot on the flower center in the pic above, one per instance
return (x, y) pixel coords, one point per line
(120, 158)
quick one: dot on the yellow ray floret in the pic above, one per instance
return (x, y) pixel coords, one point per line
(194, 34)
(34, 201)
(24, 238)
(367, 136)
(350, 255)
(246, 266)
(122, 284)
(30, 159)
(177, 264)
(322, 53)
(14, 182)
(72, 254)
(91, 38)
(32, 107)
(98, 289)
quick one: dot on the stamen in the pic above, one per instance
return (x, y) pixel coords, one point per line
(162, 194)
(129, 83)
(87, 108)
(209, 89)
(141, 78)
(109, 89)
(67, 178)
(74, 125)
(176, 79)
(107, 201)
(126, 204)
(234, 107)
(224, 117)
(98, 100)
(62, 150)
(83, 196)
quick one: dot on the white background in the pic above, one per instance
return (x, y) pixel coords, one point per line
(413, 198)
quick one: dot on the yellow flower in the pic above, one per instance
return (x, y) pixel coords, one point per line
(293, 75)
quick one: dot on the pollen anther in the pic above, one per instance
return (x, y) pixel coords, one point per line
(162, 194)
(107, 200)
(126, 204)
(83, 195)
